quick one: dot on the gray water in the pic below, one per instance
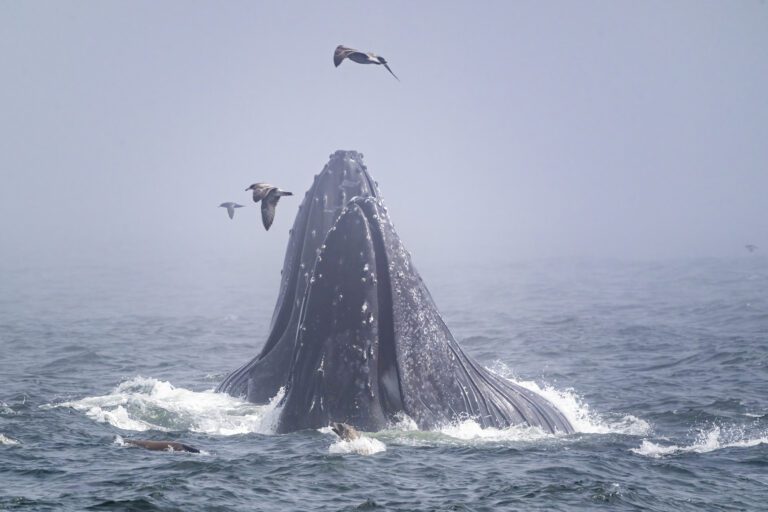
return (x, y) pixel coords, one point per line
(662, 366)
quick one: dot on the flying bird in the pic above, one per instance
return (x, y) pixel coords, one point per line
(342, 52)
(269, 195)
(230, 208)
(750, 247)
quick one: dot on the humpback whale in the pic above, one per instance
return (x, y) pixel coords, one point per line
(356, 336)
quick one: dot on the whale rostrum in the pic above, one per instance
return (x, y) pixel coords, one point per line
(356, 336)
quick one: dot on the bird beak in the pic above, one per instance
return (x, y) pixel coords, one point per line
(249, 188)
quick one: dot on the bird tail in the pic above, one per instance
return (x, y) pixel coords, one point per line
(284, 193)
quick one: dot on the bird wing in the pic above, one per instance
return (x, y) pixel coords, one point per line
(231, 211)
(384, 62)
(268, 208)
(341, 53)
(259, 194)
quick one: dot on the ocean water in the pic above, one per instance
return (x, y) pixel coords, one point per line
(661, 366)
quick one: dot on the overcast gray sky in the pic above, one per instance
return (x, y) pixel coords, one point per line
(518, 130)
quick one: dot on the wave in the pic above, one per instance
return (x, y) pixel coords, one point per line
(706, 441)
(141, 404)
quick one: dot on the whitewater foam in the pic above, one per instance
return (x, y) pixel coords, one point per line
(7, 440)
(363, 445)
(706, 441)
(576, 410)
(141, 404)
(470, 430)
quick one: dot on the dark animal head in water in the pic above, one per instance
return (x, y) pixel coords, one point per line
(162, 445)
(344, 431)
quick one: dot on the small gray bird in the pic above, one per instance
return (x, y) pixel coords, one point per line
(751, 247)
(269, 195)
(342, 52)
(230, 208)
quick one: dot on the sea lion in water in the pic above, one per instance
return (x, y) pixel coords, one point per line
(344, 431)
(161, 446)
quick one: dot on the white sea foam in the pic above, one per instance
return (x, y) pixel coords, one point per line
(363, 445)
(470, 430)
(141, 404)
(706, 441)
(403, 423)
(149, 404)
(7, 440)
(577, 411)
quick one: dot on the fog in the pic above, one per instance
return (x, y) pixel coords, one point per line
(519, 130)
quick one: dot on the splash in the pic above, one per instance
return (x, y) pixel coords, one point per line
(576, 410)
(706, 441)
(141, 404)
(363, 445)
(7, 440)
(470, 430)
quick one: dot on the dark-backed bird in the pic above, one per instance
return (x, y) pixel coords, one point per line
(750, 247)
(269, 195)
(342, 52)
(230, 208)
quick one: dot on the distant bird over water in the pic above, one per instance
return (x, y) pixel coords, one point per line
(230, 208)
(269, 195)
(342, 52)
(751, 247)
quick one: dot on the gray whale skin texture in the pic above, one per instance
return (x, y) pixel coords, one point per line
(356, 337)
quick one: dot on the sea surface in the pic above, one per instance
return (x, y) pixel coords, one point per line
(662, 367)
